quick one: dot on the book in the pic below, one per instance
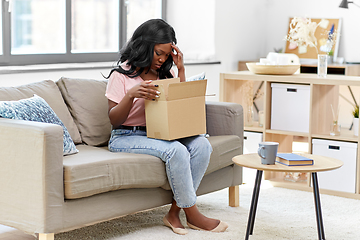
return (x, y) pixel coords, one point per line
(292, 159)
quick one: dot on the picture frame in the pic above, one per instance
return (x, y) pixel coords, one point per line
(324, 26)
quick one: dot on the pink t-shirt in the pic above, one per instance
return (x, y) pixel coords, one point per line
(118, 85)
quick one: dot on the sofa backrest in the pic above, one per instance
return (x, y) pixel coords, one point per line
(88, 106)
(50, 93)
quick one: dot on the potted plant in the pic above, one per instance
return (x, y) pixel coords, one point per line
(355, 113)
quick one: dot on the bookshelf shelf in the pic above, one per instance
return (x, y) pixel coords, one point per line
(253, 129)
(345, 135)
(300, 134)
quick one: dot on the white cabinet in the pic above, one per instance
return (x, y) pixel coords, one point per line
(342, 179)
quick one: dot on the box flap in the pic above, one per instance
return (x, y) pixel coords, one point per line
(186, 90)
(163, 87)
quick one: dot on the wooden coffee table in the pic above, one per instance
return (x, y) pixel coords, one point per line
(320, 164)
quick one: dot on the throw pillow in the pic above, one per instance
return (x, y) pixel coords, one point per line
(200, 76)
(36, 109)
(88, 105)
(50, 92)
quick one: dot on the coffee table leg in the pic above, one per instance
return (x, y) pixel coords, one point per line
(254, 202)
(319, 220)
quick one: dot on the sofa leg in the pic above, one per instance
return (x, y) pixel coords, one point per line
(46, 236)
(234, 196)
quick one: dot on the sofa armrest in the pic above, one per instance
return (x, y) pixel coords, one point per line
(224, 118)
(31, 175)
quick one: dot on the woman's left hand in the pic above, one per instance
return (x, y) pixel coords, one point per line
(179, 62)
(177, 57)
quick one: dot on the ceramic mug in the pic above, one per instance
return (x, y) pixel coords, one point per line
(267, 152)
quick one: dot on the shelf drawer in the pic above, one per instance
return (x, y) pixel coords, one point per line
(251, 141)
(290, 107)
(342, 179)
(251, 145)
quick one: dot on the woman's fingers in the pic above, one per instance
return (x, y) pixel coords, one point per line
(178, 52)
(176, 48)
(148, 90)
(177, 57)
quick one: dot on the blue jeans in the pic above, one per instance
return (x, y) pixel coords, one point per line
(186, 159)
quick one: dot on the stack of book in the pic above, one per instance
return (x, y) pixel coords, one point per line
(292, 159)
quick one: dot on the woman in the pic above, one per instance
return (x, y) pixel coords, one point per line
(149, 55)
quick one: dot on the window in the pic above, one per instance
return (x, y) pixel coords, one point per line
(35, 31)
(153, 10)
(61, 31)
(94, 26)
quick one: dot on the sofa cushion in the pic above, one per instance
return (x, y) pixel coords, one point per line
(95, 170)
(50, 93)
(224, 149)
(89, 107)
(37, 110)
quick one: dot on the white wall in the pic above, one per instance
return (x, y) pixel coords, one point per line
(238, 34)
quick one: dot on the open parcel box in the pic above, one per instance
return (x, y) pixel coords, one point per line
(178, 112)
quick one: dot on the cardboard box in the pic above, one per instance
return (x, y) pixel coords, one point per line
(178, 112)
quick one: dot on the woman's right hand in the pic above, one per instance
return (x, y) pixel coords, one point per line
(118, 113)
(145, 90)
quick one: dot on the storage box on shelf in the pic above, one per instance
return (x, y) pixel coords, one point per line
(290, 104)
(251, 144)
(342, 179)
(324, 92)
(251, 141)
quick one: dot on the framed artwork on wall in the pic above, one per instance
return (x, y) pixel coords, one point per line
(324, 27)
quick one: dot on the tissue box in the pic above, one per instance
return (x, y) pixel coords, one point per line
(179, 111)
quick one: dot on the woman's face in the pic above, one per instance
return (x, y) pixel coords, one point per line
(161, 54)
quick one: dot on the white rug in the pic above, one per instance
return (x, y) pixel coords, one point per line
(281, 214)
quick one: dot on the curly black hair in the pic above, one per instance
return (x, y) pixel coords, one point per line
(139, 50)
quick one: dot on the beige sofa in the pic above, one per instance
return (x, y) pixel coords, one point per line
(44, 192)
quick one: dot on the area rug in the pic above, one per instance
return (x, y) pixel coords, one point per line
(281, 214)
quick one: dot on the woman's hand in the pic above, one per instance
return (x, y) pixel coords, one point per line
(118, 113)
(145, 90)
(178, 59)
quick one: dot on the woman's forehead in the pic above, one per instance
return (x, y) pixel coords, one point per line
(164, 47)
